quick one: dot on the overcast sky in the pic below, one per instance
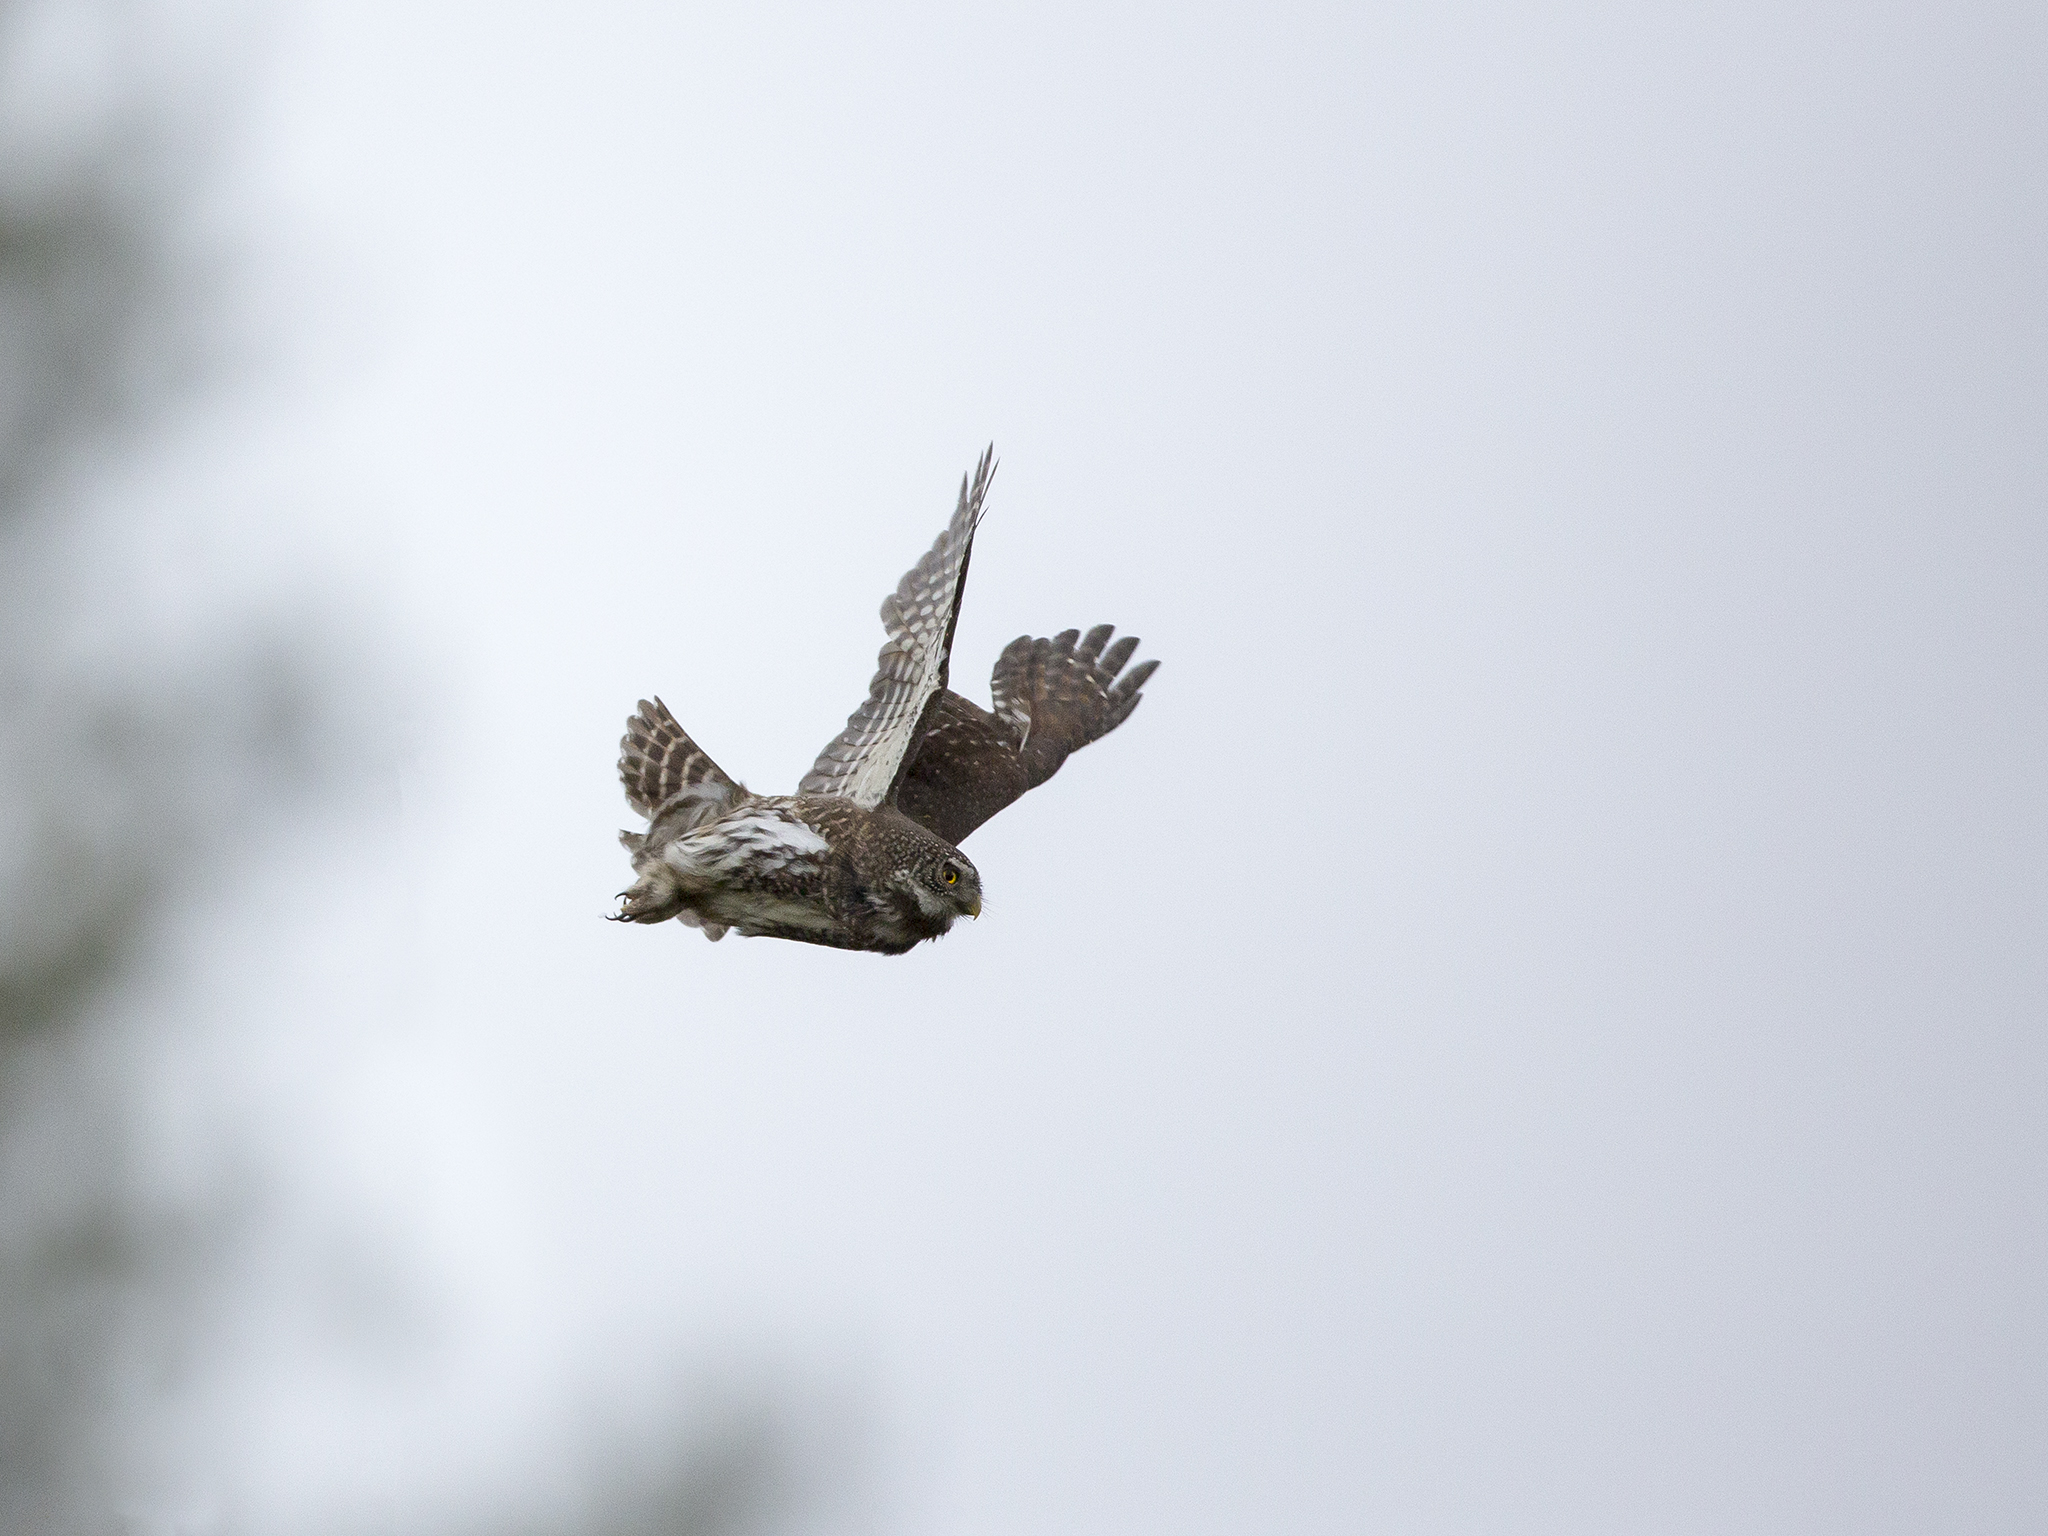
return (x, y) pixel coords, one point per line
(1536, 1023)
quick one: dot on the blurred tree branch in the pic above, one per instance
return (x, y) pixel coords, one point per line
(107, 320)
(105, 315)
(117, 790)
(120, 789)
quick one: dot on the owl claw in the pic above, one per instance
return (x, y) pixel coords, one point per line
(638, 906)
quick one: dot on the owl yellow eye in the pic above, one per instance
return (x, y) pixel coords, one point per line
(952, 876)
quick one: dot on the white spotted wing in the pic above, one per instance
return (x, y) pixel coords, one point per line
(864, 762)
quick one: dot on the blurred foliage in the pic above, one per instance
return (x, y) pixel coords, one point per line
(95, 314)
(115, 788)
(123, 788)
(105, 314)
(736, 1479)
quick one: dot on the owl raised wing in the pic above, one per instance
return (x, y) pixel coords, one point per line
(865, 762)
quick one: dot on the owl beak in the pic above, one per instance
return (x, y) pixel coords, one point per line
(974, 905)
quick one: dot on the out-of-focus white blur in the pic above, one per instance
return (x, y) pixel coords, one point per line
(1534, 1026)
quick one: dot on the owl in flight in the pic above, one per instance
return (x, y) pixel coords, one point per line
(866, 855)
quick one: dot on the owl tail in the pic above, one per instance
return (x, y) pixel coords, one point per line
(663, 769)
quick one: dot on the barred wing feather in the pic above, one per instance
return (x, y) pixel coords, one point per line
(1052, 698)
(865, 762)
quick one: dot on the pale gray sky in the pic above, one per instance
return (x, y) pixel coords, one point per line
(1535, 1026)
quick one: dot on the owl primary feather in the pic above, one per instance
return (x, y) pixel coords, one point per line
(866, 854)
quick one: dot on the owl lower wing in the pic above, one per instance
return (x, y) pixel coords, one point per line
(1052, 698)
(967, 768)
(865, 762)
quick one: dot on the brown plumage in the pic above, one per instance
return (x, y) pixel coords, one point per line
(866, 855)
(1052, 697)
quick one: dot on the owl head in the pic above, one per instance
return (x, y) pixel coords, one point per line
(941, 882)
